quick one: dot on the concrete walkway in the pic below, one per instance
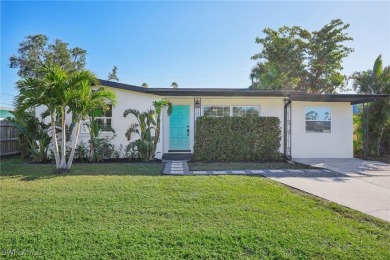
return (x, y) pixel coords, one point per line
(364, 185)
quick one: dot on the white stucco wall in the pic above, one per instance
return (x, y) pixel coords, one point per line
(125, 99)
(337, 144)
(268, 107)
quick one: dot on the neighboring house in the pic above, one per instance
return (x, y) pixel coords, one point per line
(313, 125)
(5, 112)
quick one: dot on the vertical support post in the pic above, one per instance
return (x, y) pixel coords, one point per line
(197, 110)
(287, 129)
(365, 131)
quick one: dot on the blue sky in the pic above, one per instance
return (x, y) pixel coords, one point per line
(196, 44)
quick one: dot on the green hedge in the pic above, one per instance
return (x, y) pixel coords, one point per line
(232, 139)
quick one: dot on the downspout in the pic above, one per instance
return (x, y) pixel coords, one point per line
(286, 104)
(162, 132)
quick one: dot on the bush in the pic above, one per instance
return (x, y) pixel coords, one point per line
(230, 139)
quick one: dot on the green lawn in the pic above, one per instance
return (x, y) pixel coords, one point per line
(201, 166)
(131, 211)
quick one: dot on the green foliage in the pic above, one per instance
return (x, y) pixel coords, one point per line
(296, 59)
(158, 107)
(33, 135)
(142, 148)
(358, 134)
(103, 149)
(376, 81)
(35, 51)
(81, 151)
(112, 75)
(174, 85)
(61, 92)
(229, 139)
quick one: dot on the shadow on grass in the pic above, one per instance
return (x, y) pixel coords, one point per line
(17, 168)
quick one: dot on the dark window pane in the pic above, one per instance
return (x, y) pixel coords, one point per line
(318, 126)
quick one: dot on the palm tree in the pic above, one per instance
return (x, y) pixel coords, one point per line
(90, 101)
(144, 85)
(174, 85)
(146, 123)
(61, 92)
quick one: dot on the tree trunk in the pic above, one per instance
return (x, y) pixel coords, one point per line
(91, 144)
(379, 142)
(63, 146)
(70, 160)
(55, 142)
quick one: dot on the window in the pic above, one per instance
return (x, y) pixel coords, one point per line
(248, 111)
(318, 119)
(216, 111)
(219, 111)
(104, 118)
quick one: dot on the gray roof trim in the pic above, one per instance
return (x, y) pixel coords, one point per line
(224, 92)
(352, 98)
(292, 95)
(113, 84)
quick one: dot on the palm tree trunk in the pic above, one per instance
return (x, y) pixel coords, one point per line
(70, 160)
(91, 145)
(55, 142)
(63, 146)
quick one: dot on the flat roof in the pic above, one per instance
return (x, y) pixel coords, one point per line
(292, 95)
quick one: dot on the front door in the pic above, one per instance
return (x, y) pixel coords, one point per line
(180, 128)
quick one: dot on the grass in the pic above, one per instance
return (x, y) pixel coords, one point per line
(130, 211)
(201, 166)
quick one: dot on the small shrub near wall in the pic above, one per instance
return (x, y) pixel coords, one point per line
(232, 139)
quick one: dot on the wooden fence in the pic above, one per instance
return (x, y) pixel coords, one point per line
(8, 139)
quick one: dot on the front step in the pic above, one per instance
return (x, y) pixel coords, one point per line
(177, 156)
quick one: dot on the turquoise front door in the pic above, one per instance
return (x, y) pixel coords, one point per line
(179, 128)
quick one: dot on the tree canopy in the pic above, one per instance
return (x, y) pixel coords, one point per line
(296, 59)
(36, 51)
(112, 75)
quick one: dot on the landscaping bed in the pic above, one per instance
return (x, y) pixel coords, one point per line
(131, 211)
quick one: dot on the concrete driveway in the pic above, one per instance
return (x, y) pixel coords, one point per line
(362, 185)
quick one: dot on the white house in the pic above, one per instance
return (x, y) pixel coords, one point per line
(313, 125)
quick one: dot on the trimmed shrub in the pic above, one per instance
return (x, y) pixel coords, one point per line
(232, 139)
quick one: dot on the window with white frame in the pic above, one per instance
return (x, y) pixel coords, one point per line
(318, 119)
(246, 111)
(103, 120)
(220, 111)
(216, 111)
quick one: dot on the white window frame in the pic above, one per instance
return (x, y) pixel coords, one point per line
(231, 108)
(84, 127)
(319, 107)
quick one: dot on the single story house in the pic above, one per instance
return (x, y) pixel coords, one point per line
(313, 125)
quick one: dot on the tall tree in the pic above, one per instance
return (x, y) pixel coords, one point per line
(294, 58)
(36, 51)
(144, 85)
(112, 75)
(375, 81)
(174, 85)
(62, 93)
